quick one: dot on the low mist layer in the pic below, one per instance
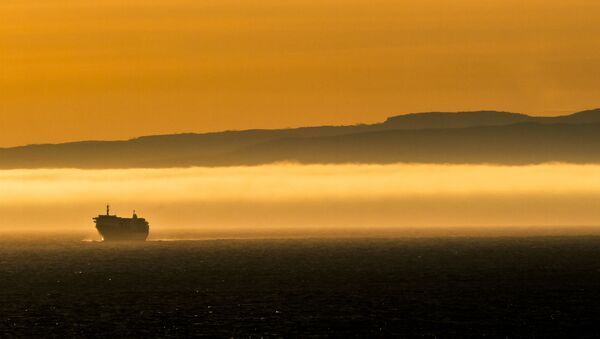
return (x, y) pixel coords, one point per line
(290, 199)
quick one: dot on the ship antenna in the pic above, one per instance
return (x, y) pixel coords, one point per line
(107, 209)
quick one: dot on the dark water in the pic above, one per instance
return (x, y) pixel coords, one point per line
(494, 287)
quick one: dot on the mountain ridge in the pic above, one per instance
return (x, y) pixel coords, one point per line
(416, 137)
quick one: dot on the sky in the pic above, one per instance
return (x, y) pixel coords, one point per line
(87, 69)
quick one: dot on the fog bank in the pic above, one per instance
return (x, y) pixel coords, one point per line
(297, 199)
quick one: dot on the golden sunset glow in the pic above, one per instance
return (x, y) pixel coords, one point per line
(299, 168)
(298, 199)
(73, 70)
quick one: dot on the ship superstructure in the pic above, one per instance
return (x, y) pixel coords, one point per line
(114, 228)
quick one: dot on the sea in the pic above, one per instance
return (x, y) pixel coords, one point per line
(61, 286)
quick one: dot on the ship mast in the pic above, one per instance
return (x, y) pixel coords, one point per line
(107, 209)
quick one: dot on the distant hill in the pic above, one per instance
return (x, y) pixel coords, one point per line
(455, 120)
(435, 137)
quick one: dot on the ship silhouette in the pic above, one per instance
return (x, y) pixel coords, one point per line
(114, 228)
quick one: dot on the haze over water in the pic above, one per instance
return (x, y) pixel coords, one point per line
(299, 200)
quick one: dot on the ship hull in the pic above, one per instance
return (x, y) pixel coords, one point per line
(122, 235)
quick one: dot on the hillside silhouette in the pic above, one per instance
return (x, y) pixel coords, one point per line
(433, 137)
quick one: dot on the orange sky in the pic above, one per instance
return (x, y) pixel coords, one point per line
(87, 69)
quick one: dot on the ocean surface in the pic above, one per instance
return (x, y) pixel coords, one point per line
(533, 287)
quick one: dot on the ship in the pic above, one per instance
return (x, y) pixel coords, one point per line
(114, 228)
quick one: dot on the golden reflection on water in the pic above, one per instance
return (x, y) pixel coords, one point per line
(288, 197)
